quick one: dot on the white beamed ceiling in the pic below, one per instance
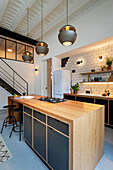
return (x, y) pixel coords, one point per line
(13, 14)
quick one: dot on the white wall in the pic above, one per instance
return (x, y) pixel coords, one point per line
(3, 97)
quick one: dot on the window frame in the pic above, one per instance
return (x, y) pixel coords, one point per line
(16, 50)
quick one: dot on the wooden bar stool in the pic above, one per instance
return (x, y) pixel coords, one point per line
(9, 120)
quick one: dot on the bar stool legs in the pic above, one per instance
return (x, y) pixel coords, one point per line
(9, 120)
(19, 125)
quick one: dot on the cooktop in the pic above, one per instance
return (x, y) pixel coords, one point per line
(52, 100)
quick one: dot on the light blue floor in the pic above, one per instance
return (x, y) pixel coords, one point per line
(25, 159)
(106, 163)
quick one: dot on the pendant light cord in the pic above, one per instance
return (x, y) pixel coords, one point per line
(67, 11)
(42, 20)
(27, 21)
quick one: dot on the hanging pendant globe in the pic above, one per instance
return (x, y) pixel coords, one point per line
(27, 56)
(67, 35)
(41, 48)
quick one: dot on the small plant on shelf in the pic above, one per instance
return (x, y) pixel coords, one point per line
(103, 68)
(75, 88)
(109, 61)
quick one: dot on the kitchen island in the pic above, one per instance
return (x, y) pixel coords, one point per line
(107, 101)
(67, 135)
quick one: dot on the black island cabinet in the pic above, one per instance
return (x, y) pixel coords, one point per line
(48, 137)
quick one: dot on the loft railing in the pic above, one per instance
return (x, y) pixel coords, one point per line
(10, 76)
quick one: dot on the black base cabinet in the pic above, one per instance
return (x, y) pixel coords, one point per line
(28, 128)
(40, 138)
(58, 150)
(69, 97)
(105, 103)
(89, 100)
(50, 138)
(111, 112)
(80, 99)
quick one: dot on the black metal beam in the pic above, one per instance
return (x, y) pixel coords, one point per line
(17, 36)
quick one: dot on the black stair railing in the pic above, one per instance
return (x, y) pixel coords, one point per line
(10, 76)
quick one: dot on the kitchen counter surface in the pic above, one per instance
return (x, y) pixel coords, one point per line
(90, 95)
(69, 110)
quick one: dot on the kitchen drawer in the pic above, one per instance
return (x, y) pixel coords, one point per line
(81, 99)
(69, 97)
(39, 116)
(28, 110)
(57, 124)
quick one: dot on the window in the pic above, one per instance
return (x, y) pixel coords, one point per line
(30, 49)
(10, 50)
(14, 50)
(2, 48)
(20, 51)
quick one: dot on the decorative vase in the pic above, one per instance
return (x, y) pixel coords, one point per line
(75, 91)
(109, 68)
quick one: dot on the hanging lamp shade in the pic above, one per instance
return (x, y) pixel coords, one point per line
(27, 56)
(67, 35)
(42, 48)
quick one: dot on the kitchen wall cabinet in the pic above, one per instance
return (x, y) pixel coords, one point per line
(105, 103)
(111, 112)
(39, 138)
(28, 128)
(58, 150)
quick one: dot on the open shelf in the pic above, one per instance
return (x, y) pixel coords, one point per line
(107, 71)
(97, 82)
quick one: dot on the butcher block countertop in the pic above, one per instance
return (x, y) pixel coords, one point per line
(69, 110)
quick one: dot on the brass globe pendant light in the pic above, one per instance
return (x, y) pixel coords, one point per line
(67, 34)
(27, 56)
(42, 47)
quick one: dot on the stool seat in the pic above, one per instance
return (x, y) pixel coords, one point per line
(9, 106)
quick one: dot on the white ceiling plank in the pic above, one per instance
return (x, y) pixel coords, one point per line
(61, 18)
(28, 4)
(3, 5)
(51, 8)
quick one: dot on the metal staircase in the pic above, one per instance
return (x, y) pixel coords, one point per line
(11, 81)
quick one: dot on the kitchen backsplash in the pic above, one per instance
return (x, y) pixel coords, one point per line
(90, 60)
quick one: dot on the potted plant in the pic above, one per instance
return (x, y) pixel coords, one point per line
(109, 62)
(75, 88)
(103, 68)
